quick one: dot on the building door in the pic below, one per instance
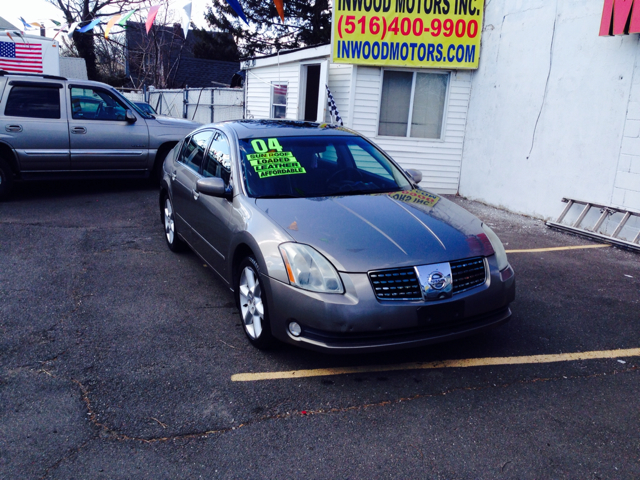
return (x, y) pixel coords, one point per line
(312, 92)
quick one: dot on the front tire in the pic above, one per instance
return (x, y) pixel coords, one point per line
(251, 301)
(174, 242)
(6, 179)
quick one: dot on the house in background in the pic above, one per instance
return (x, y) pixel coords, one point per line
(164, 59)
(375, 101)
(5, 25)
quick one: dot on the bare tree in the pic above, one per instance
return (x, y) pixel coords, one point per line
(154, 59)
(86, 11)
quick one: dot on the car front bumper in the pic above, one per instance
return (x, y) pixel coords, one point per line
(358, 322)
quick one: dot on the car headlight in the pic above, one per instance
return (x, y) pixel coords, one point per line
(309, 270)
(501, 255)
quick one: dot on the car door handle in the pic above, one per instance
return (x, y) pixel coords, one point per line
(13, 128)
(78, 130)
(174, 175)
(195, 194)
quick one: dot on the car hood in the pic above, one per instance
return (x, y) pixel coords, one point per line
(177, 122)
(369, 232)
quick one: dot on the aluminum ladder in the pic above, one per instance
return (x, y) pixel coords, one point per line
(597, 232)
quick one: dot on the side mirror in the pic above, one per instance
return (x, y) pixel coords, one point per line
(416, 175)
(130, 117)
(213, 186)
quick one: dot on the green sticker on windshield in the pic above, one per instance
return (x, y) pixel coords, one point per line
(269, 163)
(285, 169)
(268, 155)
(280, 165)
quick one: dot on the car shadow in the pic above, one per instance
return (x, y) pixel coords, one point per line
(53, 189)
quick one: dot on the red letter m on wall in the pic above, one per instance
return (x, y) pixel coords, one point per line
(620, 17)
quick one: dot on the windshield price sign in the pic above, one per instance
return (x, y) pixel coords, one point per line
(408, 33)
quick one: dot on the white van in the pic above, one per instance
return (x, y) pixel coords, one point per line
(31, 54)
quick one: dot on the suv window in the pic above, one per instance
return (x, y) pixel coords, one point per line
(193, 150)
(95, 104)
(33, 102)
(218, 161)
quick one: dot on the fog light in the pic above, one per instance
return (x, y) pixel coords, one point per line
(295, 329)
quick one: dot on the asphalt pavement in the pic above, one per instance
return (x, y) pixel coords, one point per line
(120, 359)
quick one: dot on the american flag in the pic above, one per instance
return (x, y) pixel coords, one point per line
(21, 57)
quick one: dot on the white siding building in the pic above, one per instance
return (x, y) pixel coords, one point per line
(358, 93)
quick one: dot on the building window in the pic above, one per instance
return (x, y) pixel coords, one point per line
(416, 96)
(278, 100)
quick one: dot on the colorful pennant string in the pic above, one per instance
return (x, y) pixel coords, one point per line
(72, 28)
(125, 17)
(89, 26)
(280, 8)
(121, 19)
(238, 9)
(110, 24)
(186, 18)
(26, 25)
(153, 11)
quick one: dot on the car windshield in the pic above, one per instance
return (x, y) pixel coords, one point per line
(133, 106)
(316, 166)
(145, 107)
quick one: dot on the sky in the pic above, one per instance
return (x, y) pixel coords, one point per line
(41, 10)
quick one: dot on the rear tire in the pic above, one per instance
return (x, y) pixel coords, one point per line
(174, 242)
(252, 304)
(6, 179)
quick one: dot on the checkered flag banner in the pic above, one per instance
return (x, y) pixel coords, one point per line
(332, 106)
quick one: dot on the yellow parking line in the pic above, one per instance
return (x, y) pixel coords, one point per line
(557, 249)
(463, 363)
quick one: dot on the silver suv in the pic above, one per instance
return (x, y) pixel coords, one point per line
(53, 127)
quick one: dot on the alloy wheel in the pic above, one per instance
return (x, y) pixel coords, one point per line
(251, 305)
(169, 225)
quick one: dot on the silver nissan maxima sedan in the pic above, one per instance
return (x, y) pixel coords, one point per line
(327, 243)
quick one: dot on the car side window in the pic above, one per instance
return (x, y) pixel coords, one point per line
(193, 150)
(218, 161)
(95, 104)
(33, 102)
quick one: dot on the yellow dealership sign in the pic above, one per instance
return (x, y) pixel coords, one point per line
(408, 33)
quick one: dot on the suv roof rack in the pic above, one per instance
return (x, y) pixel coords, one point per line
(39, 75)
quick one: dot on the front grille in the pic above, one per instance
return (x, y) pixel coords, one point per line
(396, 284)
(466, 274)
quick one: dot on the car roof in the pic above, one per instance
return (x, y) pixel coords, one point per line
(40, 77)
(285, 128)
